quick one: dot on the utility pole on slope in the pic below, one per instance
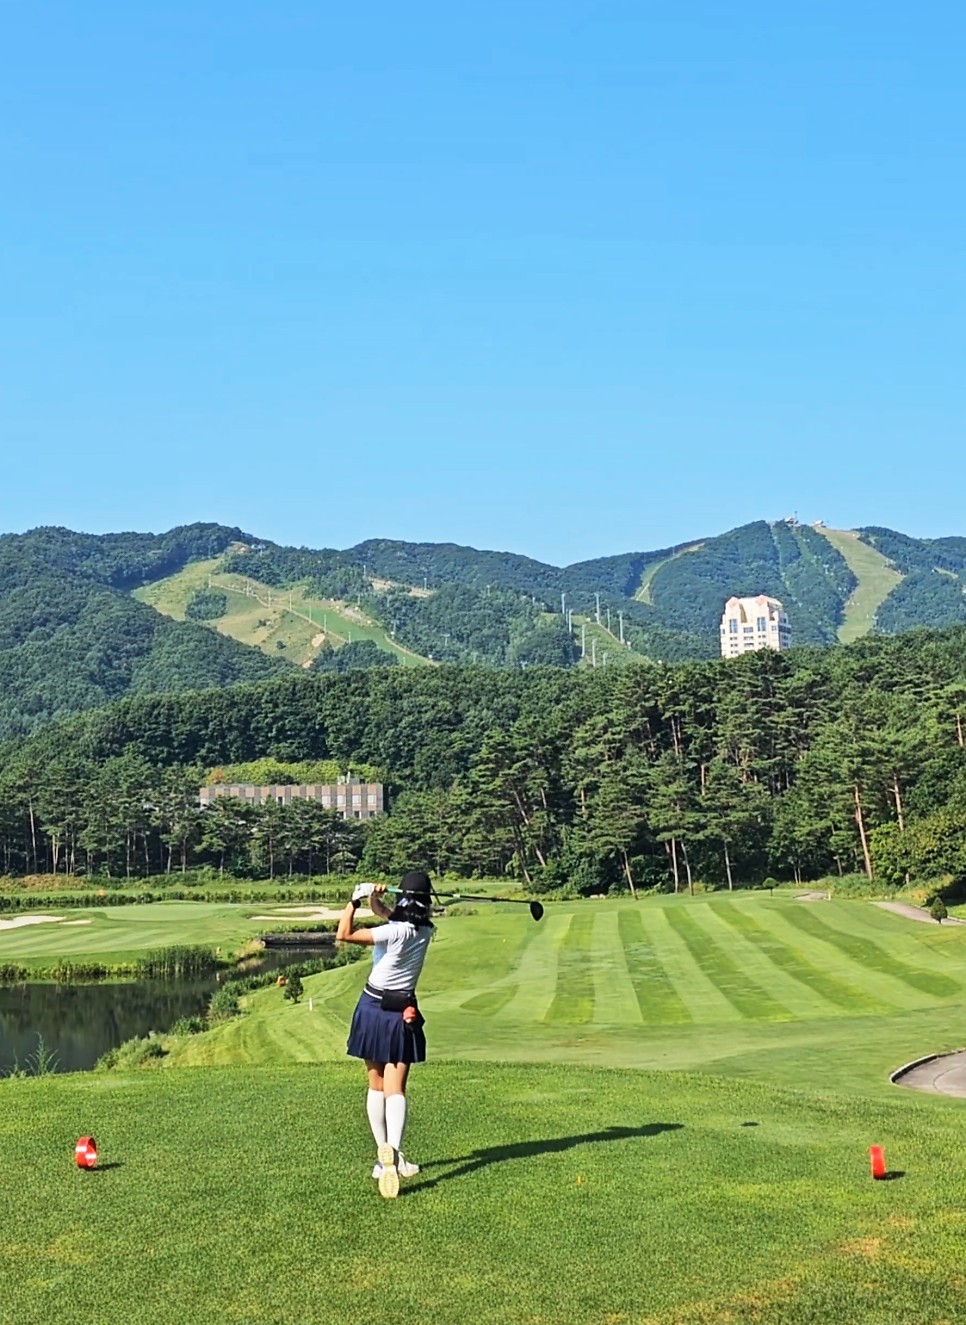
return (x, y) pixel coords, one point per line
(597, 597)
(620, 618)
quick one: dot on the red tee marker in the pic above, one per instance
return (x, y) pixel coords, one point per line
(877, 1161)
(85, 1152)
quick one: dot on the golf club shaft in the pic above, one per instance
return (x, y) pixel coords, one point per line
(476, 897)
(471, 897)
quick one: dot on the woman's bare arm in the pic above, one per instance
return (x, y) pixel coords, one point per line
(378, 906)
(347, 932)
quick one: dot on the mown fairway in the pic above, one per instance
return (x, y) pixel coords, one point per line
(553, 1191)
(798, 992)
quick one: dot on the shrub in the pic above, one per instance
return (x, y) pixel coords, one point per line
(189, 1026)
(141, 1051)
(206, 605)
(938, 910)
(854, 885)
(293, 987)
(224, 1002)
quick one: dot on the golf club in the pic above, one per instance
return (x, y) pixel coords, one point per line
(536, 908)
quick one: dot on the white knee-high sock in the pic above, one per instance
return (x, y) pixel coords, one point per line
(376, 1109)
(395, 1120)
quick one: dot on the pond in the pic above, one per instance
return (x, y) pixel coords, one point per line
(78, 1023)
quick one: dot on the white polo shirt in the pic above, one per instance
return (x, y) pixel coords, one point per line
(398, 953)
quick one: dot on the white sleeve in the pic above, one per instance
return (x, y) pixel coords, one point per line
(381, 933)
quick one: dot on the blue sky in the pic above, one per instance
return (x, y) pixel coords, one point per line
(568, 279)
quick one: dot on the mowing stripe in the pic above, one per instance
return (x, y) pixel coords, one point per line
(536, 972)
(574, 1000)
(700, 995)
(614, 993)
(750, 1000)
(934, 946)
(835, 992)
(792, 925)
(870, 955)
(764, 964)
(657, 1002)
(491, 1000)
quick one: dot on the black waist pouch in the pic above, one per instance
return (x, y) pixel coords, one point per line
(395, 1002)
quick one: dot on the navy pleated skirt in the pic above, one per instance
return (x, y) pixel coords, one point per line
(383, 1037)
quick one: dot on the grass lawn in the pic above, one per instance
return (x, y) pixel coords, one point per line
(651, 1113)
(548, 1195)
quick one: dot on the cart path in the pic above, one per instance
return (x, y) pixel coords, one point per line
(915, 913)
(943, 1075)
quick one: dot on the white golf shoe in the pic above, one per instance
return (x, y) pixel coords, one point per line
(403, 1167)
(389, 1177)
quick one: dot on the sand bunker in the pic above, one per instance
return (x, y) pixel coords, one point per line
(308, 913)
(19, 921)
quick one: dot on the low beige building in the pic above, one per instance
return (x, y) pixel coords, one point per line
(349, 797)
(749, 624)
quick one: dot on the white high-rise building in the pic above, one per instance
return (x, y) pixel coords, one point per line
(750, 624)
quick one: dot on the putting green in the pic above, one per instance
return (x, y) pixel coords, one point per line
(122, 933)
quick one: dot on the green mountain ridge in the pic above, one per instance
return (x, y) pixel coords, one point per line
(72, 638)
(86, 619)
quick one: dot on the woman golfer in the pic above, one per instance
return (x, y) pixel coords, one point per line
(387, 1026)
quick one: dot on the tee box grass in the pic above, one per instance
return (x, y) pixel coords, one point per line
(589, 1153)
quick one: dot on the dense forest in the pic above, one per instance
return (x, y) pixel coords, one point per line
(933, 591)
(671, 599)
(789, 766)
(73, 638)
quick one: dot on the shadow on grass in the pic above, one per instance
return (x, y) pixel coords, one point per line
(106, 1168)
(552, 1145)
